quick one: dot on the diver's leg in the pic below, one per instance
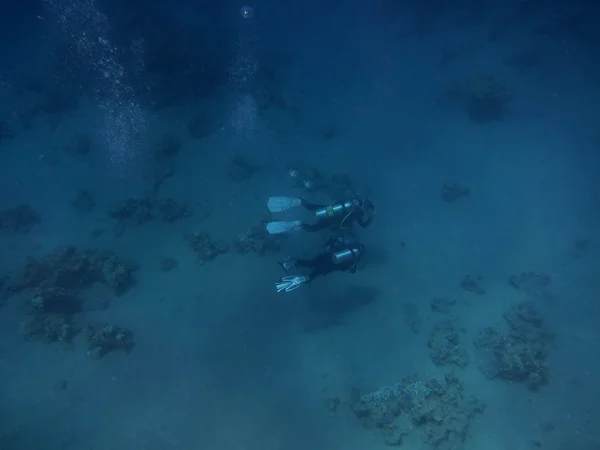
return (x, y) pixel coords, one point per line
(320, 271)
(311, 206)
(308, 262)
(322, 266)
(322, 225)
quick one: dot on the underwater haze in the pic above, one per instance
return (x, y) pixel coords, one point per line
(304, 225)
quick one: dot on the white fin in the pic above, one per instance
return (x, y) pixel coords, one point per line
(282, 285)
(279, 204)
(283, 227)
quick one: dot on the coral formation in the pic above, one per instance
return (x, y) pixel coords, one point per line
(337, 186)
(137, 210)
(580, 248)
(19, 219)
(442, 305)
(454, 191)
(83, 201)
(473, 284)
(327, 132)
(241, 168)
(170, 210)
(436, 413)
(103, 339)
(206, 247)
(167, 264)
(521, 355)
(141, 210)
(484, 97)
(257, 240)
(49, 328)
(55, 283)
(531, 283)
(445, 344)
(57, 278)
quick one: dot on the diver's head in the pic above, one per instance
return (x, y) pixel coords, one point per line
(358, 200)
(367, 207)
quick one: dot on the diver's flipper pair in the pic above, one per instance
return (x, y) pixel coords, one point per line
(284, 226)
(289, 284)
(280, 204)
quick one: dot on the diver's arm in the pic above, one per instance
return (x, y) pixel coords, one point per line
(365, 222)
(355, 265)
(329, 242)
(321, 225)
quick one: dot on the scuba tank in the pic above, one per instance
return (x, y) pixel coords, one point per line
(335, 210)
(348, 254)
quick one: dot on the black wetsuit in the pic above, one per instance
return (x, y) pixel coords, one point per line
(323, 264)
(358, 214)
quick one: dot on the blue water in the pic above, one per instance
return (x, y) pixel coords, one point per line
(198, 112)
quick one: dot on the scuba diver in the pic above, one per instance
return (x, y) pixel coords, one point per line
(342, 253)
(340, 214)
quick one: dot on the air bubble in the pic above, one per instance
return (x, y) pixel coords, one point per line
(124, 120)
(247, 12)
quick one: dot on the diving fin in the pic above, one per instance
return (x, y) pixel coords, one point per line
(284, 226)
(279, 204)
(289, 284)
